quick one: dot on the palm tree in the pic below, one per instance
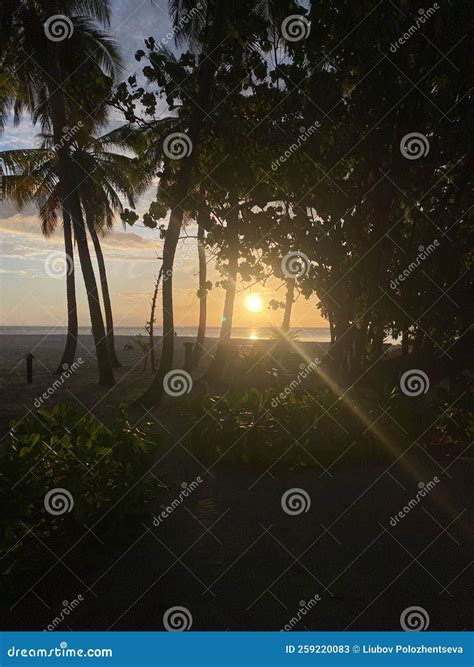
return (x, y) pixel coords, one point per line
(29, 178)
(43, 72)
(106, 175)
(103, 175)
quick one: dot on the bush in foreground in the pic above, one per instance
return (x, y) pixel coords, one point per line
(61, 471)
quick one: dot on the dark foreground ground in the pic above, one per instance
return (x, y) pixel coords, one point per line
(231, 556)
(235, 560)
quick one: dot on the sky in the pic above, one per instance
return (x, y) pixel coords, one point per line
(32, 291)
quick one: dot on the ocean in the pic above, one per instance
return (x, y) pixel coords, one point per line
(319, 334)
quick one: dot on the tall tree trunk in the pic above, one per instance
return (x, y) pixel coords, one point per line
(104, 285)
(223, 346)
(341, 350)
(72, 327)
(72, 207)
(361, 344)
(418, 340)
(290, 291)
(376, 343)
(207, 70)
(405, 341)
(201, 335)
(151, 323)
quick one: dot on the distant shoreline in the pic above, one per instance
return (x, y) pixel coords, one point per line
(302, 335)
(308, 335)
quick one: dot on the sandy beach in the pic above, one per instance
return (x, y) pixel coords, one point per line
(81, 387)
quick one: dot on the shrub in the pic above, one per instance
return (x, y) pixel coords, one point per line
(261, 429)
(98, 466)
(454, 429)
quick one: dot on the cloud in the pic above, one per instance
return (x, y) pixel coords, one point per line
(16, 272)
(134, 21)
(23, 136)
(22, 239)
(129, 245)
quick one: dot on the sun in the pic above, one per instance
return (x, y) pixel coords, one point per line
(254, 303)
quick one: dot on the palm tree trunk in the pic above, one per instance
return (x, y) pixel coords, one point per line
(72, 207)
(151, 325)
(199, 346)
(154, 393)
(331, 328)
(223, 347)
(361, 347)
(405, 339)
(72, 326)
(341, 350)
(290, 291)
(109, 321)
(208, 68)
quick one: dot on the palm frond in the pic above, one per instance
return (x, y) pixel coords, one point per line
(103, 49)
(96, 9)
(188, 18)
